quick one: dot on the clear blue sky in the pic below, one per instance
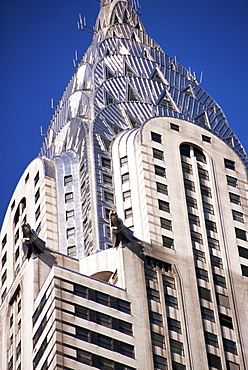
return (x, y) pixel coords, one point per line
(37, 44)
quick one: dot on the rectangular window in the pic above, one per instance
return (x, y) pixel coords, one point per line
(216, 261)
(176, 346)
(244, 270)
(102, 298)
(68, 197)
(157, 340)
(196, 237)
(125, 178)
(234, 198)
(69, 214)
(191, 202)
(214, 361)
(225, 320)
(213, 243)
(4, 276)
(240, 234)
(128, 213)
(229, 164)
(71, 250)
(165, 223)
(36, 179)
(155, 318)
(163, 206)
(4, 259)
(230, 346)
(204, 293)
(171, 301)
(210, 225)
(67, 179)
(222, 300)
(232, 181)
(199, 255)
(167, 242)
(174, 127)
(153, 294)
(207, 314)
(219, 280)
(105, 342)
(158, 154)
(205, 190)
(37, 213)
(38, 229)
(107, 179)
(207, 139)
(156, 137)
(177, 366)
(108, 197)
(162, 188)
(159, 171)
(82, 334)
(159, 362)
(16, 235)
(169, 281)
(174, 325)
(201, 274)
(208, 208)
(232, 365)
(189, 185)
(37, 195)
(211, 339)
(187, 168)
(237, 216)
(4, 240)
(243, 252)
(106, 162)
(123, 161)
(83, 356)
(203, 174)
(151, 275)
(193, 219)
(70, 232)
(126, 195)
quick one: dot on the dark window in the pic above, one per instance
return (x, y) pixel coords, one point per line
(213, 243)
(167, 242)
(222, 300)
(201, 274)
(229, 164)
(204, 293)
(207, 139)
(234, 198)
(17, 253)
(68, 197)
(196, 237)
(219, 280)
(37, 195)
(211, 339)
(71, 250)
(232, 365)
(37, 213)
(4, 276)
(193, 219)
(210, 225)
(102, 298)
(185, 150)
(4, 259)
(243, 252)
(159, 171)
(151, 275)
(191, 202)
(168, 281)
(174, 325)
(171, 301)
(155, 318)
(108, 197)
(207, 314)
(199, 155)
(159, 362)
(80, 290)
(126, 195)
(199, 255)
(237, 216)
(176, 346)
(67, 179)
(232, 181)
(4, 240)
(27, 178)
(157, 340)
(106, 162)
(125, 178)
(156, 137)
(70, 232)
(203, 174)
(107, 179)
(123, 161)
(177, 366)
(187, 168)
(240, 234)
(205, 190)
(69, 214)
(230, 346)
(208, 208)
(17, 234)
(214, 361)
(128, 213)
(162, 188)
(189, 185)
(158, 154)
(36, 179)
(216, 261)
(163, 206)
(244, 270)
(225, 320)
(153, 294)
(165, 224)
(174, 127)
(83, 356)
(126, 349)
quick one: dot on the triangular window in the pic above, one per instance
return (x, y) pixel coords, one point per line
(132, 95)
(133, 122)
(128, 71)
(116, 20)
(125, 17)
(110, 99)
(107, 52)
(203, 119)
(189, 91)
(138, 27)
(108, 74)
(167, 102)
(116, 129)
(106, 143)
(159, 77)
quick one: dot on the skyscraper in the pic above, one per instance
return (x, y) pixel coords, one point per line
(134, 133)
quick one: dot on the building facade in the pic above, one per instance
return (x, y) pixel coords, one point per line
(133, 133)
